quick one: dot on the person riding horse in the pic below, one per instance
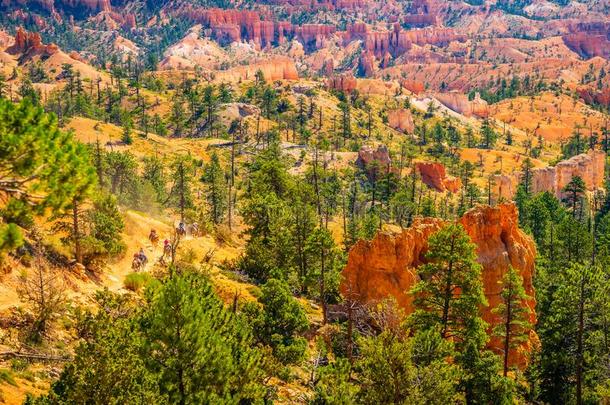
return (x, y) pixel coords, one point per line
(167, 250)
(153, 237)
(181, 229)
(139, 260)
(195, 229)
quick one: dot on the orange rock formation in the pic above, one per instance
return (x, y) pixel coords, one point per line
(434, 175)
(459, 103)
(29, 44)
(386, 266)
(401, 119)
(589, 166)
(276, 68)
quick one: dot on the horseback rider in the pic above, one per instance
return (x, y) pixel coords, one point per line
(142, 256)
(153, 234)
(181, 228)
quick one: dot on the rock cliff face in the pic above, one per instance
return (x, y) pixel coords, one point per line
(589, 166)
(387, 265)
(393, 43)
(401, 119)
(275, 68)
(234, 25)
(346, 83)
(459, 103)
(434, 175)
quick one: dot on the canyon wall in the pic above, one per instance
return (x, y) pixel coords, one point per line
(387, 265)
(392, 43)
(589, 166)
(234, 25)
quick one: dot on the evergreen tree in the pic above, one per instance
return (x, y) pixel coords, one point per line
(180, 193)
(514, 314)
(216, 193)
(198, 351)
(450, 292)
(154, 173)
(280, 322)
(574, 190)
(41, 167)
(388, 374)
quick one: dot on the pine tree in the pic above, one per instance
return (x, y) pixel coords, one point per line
(154, 173)
(199, 351)
(320, 246)
(514, 313)
(180, 194)
(41, 167)
(450, 291)
(216, 193)
(573, 191)
(280, 322)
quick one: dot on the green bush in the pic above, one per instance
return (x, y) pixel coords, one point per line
(136, 281)
(6, 376)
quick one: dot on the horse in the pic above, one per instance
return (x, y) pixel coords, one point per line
(153, 238)
(195, 230)
(181, 231)
(138, 263)
(167, 252)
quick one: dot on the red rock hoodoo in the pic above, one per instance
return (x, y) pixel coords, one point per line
(434, 175)
(345, 82)
(29, 44)
(386, 266)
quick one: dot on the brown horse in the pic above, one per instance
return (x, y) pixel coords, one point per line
(153, 238)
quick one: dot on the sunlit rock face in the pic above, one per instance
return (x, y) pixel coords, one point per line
(589, 166)
(434, 176)
(387, 265)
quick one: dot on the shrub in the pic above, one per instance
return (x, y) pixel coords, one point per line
(136, 281)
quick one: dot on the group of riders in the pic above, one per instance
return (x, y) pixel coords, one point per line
(139, 258)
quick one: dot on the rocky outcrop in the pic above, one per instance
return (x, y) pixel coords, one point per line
(387, 265)
(233, 25)
(29, 44)
(413, 86)
(589, 39)
(275, 68)
(374, 161)
(393, 43)
(460, 103)
(345, 82)
(591, 96)
(589, 166)
(401, 119)
(434, 176)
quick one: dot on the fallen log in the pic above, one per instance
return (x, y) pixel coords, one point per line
(33, 356)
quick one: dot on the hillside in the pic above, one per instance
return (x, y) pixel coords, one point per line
(330, 202)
